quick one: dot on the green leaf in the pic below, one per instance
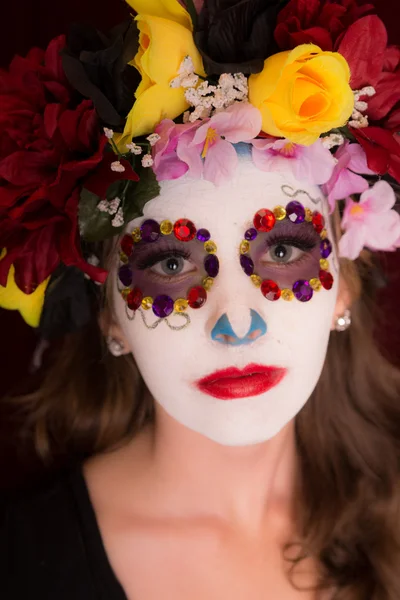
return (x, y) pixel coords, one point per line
(94, 225)
(140, 193)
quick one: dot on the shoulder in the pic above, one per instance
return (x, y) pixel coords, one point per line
(42, 548)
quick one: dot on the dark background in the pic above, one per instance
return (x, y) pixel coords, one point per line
(25, 23)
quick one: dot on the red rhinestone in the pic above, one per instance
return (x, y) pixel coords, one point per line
(127, 245)
(264, 220)
(134, 298)
(318, 222)
(270, 290)
(326, 279)
(197, 297)
(184, 230)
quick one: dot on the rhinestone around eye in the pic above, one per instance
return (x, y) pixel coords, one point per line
(264, 220)
(184, 230)
(207, 283)
(256, 279)
(127, 244)
(125, 275)
(303, 290)
(197, 297)
(163, 306)
(287, 295)
(203, 235)
(210, 247)
(147, 303)
(325, 248)
(244, 247)
(324, 264)
(150, 230)
(247, 264)
(270, 290)
(323, 234)
(166, 227)
(309, 215)
(136, 235)
(315, 284)
(134, 299)
(211, 265)
(250, 234)
(295, 212)
(125, 293)
(326, 279)
(318, 222)
(280, 213)
(180, 305)
(123, 258)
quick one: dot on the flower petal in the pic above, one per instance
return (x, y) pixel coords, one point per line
(380, 198)
(352, 241)
(166, 9)
(358, 160)
(220, 163)
(239, 123)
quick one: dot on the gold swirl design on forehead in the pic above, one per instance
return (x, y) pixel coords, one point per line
(292, 193)
(131, 316)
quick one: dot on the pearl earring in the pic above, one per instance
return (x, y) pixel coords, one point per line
(343, 322)
(115, 347)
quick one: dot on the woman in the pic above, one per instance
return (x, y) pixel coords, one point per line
(239, 426)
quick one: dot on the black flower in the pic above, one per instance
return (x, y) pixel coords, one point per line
(236, 36)
(96, 65)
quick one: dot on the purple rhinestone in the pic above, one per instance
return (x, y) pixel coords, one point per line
(163, 306)
(295, 212)
(325, 248)
(303, 290)
(203, 235)
(150, 230)
(211, 265)
(250, 234)
(125, 275)
(247, 264)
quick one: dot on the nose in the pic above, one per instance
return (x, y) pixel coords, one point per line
(224, 333)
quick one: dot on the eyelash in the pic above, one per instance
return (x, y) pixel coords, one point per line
(302, 243)
(152, 259)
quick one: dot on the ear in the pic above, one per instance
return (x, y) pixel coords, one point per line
(343, 302)
(111, 329)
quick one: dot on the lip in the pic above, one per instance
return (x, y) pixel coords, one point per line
(234, 383)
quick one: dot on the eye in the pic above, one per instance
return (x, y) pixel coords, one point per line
(282, 253)
(172, 266)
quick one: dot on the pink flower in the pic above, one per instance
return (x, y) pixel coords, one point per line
(313, 163)
(167, 164)
(346, 179)
(371, 222)
(210, 152)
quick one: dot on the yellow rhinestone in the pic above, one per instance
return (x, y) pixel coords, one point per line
(207, 283)
(309, 215)
(180, 305)
(244, 247)
(123, 258)
(256, 279)
(287, 295)
(324, 234)
(125, 293)
(315, 284)
(324, 264)
(279, 212)
(147, 303)
(166, 227)
(137, 236)
(210, 247)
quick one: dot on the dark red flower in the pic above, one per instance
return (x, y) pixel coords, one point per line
(49, 145)
(382, 149)
(320, 22)
(385, 105)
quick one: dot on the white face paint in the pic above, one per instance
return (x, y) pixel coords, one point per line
(171, 362)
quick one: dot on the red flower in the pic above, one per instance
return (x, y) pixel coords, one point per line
(382, 149)
(320, 22)
(49, 144)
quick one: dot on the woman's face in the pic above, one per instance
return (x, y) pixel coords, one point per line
(243, 366)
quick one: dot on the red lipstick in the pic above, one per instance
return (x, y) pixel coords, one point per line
(233, 383)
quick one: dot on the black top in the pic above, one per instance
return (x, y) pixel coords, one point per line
(51, 546)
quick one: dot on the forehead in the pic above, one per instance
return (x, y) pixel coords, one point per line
(234, 203)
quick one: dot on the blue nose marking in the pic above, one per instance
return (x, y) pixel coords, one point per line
(223, 333)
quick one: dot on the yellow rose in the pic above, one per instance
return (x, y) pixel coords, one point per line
(302, 93)
(165, 39)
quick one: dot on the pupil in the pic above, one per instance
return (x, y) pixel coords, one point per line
(172, 265)
(281, 252)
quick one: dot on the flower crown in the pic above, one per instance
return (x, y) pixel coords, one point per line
(90, 127)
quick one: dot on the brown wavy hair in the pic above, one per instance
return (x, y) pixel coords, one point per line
(348, 440)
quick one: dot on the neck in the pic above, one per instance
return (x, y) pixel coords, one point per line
(243, 485)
